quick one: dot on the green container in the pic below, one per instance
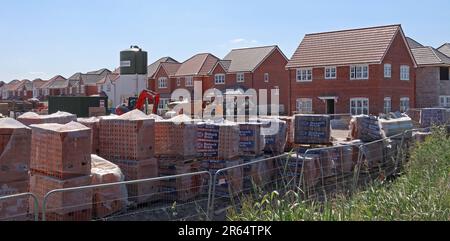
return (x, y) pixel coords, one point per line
(133, 61)
(76, 105)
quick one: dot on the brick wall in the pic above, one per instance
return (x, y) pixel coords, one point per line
(427, 87)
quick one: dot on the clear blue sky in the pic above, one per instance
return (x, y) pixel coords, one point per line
(42, 38)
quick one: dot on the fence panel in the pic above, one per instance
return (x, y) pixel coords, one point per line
(18, 207)
(256, 176)
(172, 198)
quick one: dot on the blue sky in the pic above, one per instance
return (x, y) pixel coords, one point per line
(42, 38)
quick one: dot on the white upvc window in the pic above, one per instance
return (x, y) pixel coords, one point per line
(304, 75)
(444, 101)
(276, 90)
(359, 72)
(240, 77)
(404, 104)
(330, 73)
(304, 105)
(219, 79)
(162, 83)
(387, 105)
(188, 81)
(359, 106)
(387, 71)
(404, 72)
(266, 77)
(178, 81)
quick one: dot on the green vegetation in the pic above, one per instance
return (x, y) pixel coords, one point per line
(421, 193)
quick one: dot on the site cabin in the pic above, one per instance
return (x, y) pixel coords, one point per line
(358, 71)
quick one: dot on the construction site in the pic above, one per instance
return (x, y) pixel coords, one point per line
(136, 166)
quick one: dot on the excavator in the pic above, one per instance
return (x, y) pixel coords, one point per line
(145, 98)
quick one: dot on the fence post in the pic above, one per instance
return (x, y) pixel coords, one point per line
(213, 195)
(357, 169)
(209, 197)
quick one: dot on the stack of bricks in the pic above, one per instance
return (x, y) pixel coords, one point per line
(218, 145)
(94, 124)
(31, 118)
(128, 141)
(274, 132)
(61, 158)
(290, 130)
(312, 129)
(305, 167)
(365, 128)
(175, 148)
(107, 200)
(15, 146)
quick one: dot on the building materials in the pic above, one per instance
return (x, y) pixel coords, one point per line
(79, 105)
(142, 192)
(365, 128)
(66, 205)
(176, 137)
(218, 140)
(274, 135)
(433, 116)
(15, 150)
(14, 208)
(62, 151)
(31, 118)
(312, 129)
(127, 137)
(305, 167)
(250, 142)
(290, 130)
(181, 188)
(260, 173)
(107, 200)
(394, 126)
(229, 183)
(94, 124)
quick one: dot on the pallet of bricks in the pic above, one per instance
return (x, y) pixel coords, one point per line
(274, 135)
(15, 144)
(218, 148)
(31, 118)
(128, 141)
(61, 158)
(175, 149)
(94, 124)
(251, 149)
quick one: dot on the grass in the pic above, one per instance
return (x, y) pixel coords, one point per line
(421, 193)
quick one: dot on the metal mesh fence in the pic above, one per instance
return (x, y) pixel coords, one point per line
(18, 207)
(181, 197)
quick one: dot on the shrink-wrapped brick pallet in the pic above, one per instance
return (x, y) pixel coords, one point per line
(142, 192)
(260, 173)
(94, 124)
(218, 140)
(67, 205)
(312, 129)
(16, 209)
(365, 128)
(307, 167)
(112, 199)
(396, 126)
(250, 142)
(180, 188)
(176, 137)
(372, 155)
(229, 183)
(290, 130)
(15, 148)
(274, 135)
(127, 137)
(31, 118)
(62, 151)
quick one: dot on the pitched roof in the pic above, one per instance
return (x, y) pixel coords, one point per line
(56, 82)
(170, 68)
(355, 46)
(430, 56)
(248, 59)
(151, 69)
(110, 77)
(37, 83)
(445, 49)
(100, 71)
(200, 64)
(413, 43)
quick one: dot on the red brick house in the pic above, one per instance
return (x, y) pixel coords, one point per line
(359, 71)
(85, 84)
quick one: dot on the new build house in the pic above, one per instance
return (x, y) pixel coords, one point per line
(357, 71)
(445, 49)
(432, 76)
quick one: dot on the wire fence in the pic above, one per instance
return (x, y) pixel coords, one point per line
(18, 207)
(180, 198)
(315, 174)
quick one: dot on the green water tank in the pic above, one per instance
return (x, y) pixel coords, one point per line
(133, 61)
